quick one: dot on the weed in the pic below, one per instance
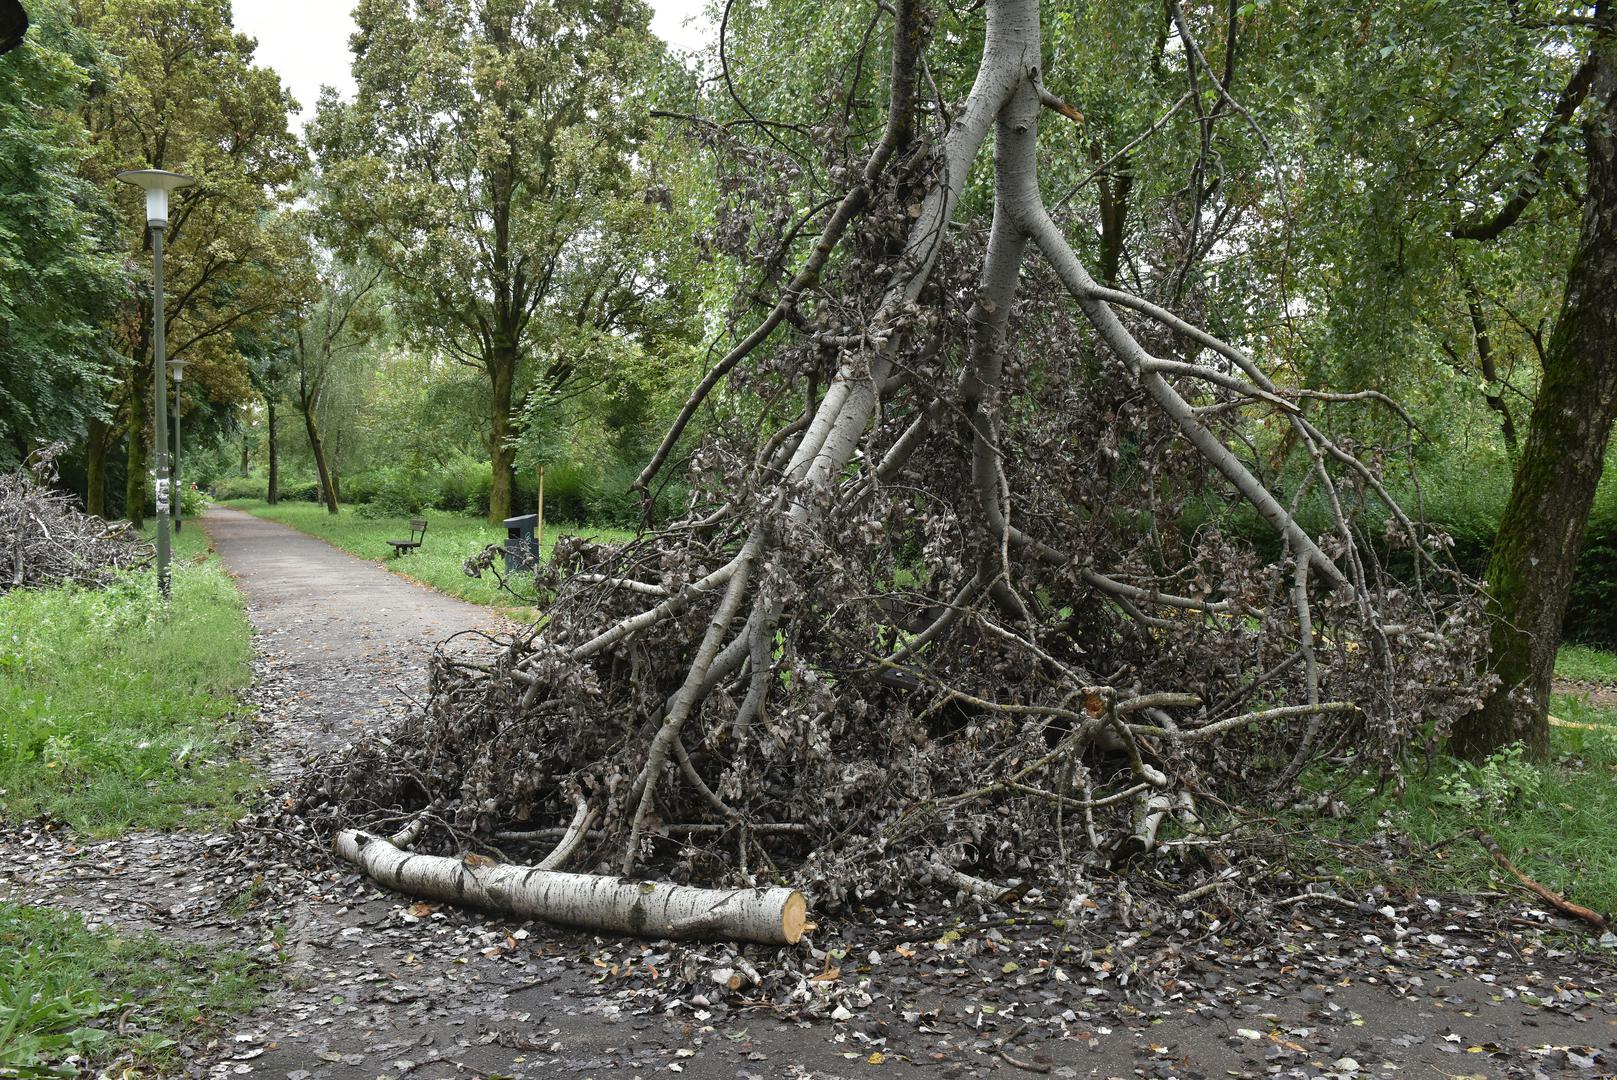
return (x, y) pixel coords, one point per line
(115, 707)
(71, 998)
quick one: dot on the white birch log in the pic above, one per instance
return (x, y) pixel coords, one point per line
(770, 916)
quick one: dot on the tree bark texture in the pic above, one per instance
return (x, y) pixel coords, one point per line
(328, 489)
(273, 493)
(502, 371)
(135, 477)
(769, 916)
(96, 444)
(1541, 534)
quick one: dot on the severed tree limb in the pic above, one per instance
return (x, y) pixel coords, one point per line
(769, 916)
(1554, 899)
(576, 831)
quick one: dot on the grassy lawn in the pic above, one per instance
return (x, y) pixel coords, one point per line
(451, 540)
(115, 714)
(77, 1003)
(1554, 820)
(114, 710)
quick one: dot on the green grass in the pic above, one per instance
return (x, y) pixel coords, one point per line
(1554, 820)
(65, 992)
(1583, 663)
(451, 539)
(115, 710)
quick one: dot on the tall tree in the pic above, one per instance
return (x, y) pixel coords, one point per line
(1541, 534)
(185, 95)
(59, 276)
(328, 333)
(485, 141)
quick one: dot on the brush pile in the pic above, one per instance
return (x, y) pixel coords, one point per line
(988, 574)
(45, 540)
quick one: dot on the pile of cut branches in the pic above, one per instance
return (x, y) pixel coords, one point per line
(45, 540)
(987, 573)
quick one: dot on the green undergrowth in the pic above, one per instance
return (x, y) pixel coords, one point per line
(1553, 819)
(1585, 664)
(116, 709)
(451, 539)
(77, 1002)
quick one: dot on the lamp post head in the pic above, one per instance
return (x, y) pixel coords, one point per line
(176, 368)
(157, 183)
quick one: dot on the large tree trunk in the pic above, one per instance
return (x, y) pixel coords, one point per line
(96, 444)
(328, 487)
(1541, 534)
(273, 494)
(502, 370)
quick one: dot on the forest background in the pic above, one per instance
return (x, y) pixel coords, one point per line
(516, 246)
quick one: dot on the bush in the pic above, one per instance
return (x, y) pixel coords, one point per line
(192, 499)
(399, 492)
(241, 487)
(302, 491)
(566, 492)
(463, 485)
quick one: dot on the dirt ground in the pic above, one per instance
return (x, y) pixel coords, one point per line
(373, 985)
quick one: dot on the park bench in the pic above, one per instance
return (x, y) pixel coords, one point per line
(418, 533)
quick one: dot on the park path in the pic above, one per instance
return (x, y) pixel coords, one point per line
(373, 987)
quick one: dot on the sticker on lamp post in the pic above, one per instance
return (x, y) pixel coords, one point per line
(162, 495)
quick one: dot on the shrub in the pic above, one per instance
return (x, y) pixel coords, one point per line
(399, 492)
(566, 492)
(301, 491)
(463, 484)
(241, 487)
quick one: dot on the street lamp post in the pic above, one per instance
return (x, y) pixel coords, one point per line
(157, 184)
(177, 368)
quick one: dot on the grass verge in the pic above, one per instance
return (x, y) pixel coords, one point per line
(76, 1002)
(451, 539)
(1553, 818)
(115, 713)
(115, 708)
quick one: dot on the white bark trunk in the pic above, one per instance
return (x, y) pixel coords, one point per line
(770, 916)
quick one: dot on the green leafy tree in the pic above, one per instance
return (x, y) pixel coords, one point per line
(185, 95)
(59, 277)
(478, 164)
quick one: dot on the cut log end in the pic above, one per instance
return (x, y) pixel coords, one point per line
(794, 918)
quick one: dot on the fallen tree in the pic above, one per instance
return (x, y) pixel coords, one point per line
(46, 541)
(934, 614)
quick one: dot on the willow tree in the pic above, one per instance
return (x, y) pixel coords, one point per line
(931, 611)
(476, 163)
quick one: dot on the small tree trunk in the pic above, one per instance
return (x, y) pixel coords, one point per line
(1541, 533)
(245, 456)
(1114, 213)
(95, 467)
(135, 460)
(539, 526)
(328, 486)
(273, 495)
(502, 370)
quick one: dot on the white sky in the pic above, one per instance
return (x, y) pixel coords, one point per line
(307, 40)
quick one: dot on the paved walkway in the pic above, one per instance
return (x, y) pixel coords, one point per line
(375, 986)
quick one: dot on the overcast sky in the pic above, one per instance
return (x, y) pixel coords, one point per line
(307, 40)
